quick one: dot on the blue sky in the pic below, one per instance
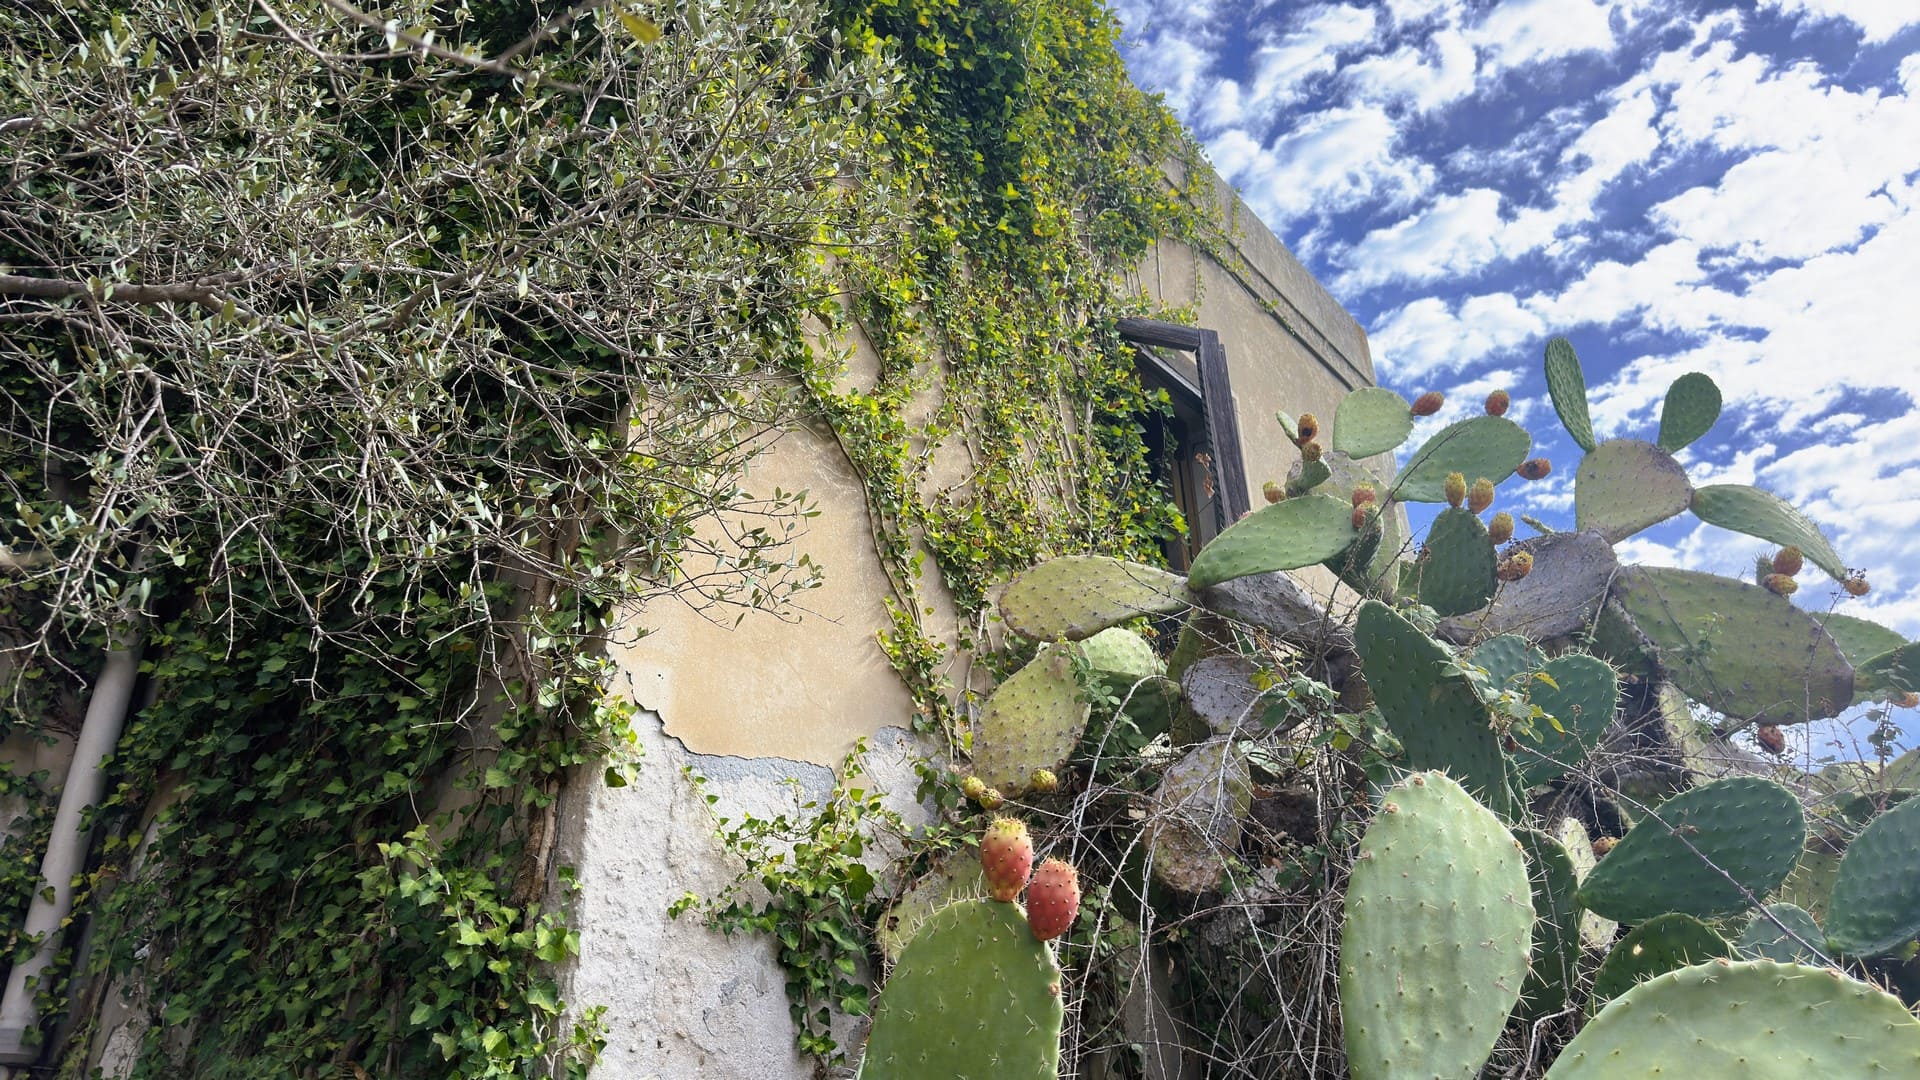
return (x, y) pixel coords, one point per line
(1731, 188)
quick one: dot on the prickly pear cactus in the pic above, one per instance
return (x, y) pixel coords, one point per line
(1691, 407)
(1579, 693)
(1489, 446)
(1876, 897)
(1197, 813)
(1437, 716)
(1457, 567)
(1596, 931)
(1784, 933)
(1284, 536)
(1505, 659)
(1661, 944)
(1765, 515)
(1625, 485)
(1032, 721)
(1554, 969)
(1748, 1019)
(1736, 647)
(1078, 596)
(1371, 421)
(973, 997)
(1220, 698)
(1568, 585)
(1896, 671)
(1567, 386)
(1432, 957)
(1702, 852)
(956, 877)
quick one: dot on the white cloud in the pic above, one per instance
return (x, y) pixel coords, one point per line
(1425, 75)
(1330, 160)
(1283, 66)
(1529, 31)
(1428, 337)
(1877, 19)
(1454, 233)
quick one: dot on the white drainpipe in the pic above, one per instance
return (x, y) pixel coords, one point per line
(67, 849)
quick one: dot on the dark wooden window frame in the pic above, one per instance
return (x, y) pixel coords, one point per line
(1212, 397)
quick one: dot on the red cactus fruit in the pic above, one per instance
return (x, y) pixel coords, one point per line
(1363, 495)
(1856, 585)
(1006, 858)
(1428, 403)
(1770, 739)
(1515, 566)
(1053, 900)
(1781, 585)
(1497, 403)
(1480, 495)
(1788, 561)
(1455, 489)
(1308, 427)
(1500, 529)
(1274, 490)
(1359, 517)
(1536, 468)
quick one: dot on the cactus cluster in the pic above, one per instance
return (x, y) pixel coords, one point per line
(1500, 677)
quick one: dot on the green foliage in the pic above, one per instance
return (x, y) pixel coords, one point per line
(806, 886)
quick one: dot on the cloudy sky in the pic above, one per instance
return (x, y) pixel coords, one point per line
(1675, 185)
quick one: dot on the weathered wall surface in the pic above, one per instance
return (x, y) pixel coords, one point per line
(764, 707)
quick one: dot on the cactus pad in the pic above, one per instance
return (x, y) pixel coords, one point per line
(1692, 406)
(1371, 421)
(1765, 515)
(1221, 696)
(1580, 692)
(1860, 639)
(973, 997)
(1457, 567)
(1568, 583)
(1121, 656)
(1433, 952)
(1736, 647)
(1754, 1019)
(1505, 659)
(1489, 446)
(1284, 536)
(1799, 943)
(1876, 897)
(955, 877)
(1701, 853)
(1567, 386)
(1032, 721)
(1659, 945)
(1625, 485)
(1377, 548)
(1288, 425)
(1080, 595)
(1304, 476)
(1894, 671)
(1197, 813)
(1438, 717)
(1596, 931)
(1554, 969)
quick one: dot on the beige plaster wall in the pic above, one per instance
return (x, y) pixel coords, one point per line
(806, 687)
